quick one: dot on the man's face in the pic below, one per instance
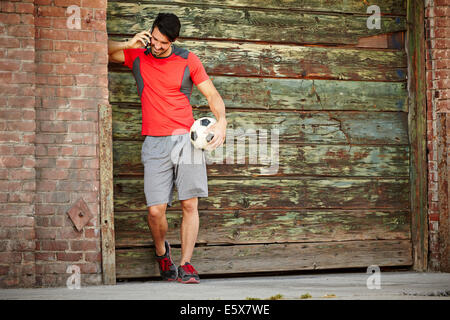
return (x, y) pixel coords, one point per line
(160, 44)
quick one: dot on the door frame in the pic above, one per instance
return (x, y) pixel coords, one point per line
(106, 194)
(417, 130)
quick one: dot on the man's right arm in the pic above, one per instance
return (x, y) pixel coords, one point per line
(115, 49)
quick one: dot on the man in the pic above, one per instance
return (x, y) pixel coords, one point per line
(165, 75)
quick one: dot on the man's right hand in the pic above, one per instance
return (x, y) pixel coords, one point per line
(115, 49)
(139, 40)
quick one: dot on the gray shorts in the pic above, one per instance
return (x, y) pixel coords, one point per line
(169, 161)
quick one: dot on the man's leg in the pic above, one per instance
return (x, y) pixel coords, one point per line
(189, 228)
(157, 223)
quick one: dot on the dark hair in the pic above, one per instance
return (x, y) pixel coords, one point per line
(168, 24)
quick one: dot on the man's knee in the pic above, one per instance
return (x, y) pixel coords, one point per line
(157, 211)
(190, 206)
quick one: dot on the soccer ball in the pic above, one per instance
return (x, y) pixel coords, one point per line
(199, 137)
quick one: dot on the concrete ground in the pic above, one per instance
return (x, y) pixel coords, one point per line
(397, 285)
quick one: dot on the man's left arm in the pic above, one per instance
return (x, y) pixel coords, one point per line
(217, 107)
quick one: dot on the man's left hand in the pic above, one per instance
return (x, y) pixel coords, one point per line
(220, 131)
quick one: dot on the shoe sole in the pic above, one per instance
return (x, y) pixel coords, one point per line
(191, 280)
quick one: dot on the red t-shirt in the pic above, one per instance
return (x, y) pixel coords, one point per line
(165, 87)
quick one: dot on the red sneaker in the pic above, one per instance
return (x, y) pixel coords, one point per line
(187, 274)
(167, 269)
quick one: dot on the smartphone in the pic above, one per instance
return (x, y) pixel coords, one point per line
(148, 43)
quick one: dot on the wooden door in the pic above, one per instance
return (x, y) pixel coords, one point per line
(333, 89)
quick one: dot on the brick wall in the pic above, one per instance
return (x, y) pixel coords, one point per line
(17, 149)
(56, 76)
(52, 79)
(437, 24)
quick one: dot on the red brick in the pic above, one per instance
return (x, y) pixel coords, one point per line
(69, 232)
(59, 23)
(10, 18)
(87, 268)
(67, 3)
(442, 64)
(84, 151)
(54, 102)
(20, 31)
(52, 34)
(45, 11)
(95, 92)
(44, 44)
(9, 137)
(69, 69)
(44, 68)
(69, 256)
(444, 94)
(83, 57)
(68, 46)
(45, 256)
(10, 257)
(9, 66)
(68, 115)
(7, 6)
(66, 80)
(21, 102)
(93, 257)
(82, 127)
(21, 54)
(53, 126)
(442, 74)
(53, 173)
(68, 92)
(53, 245)
(100, 4)
(91, 233)
(443, 106)
(101, 37)
(7, 221)
(99, 48)
(11, 162)
(67, 151)
(83, 245)
(9, 42)
(45, 233)
(442, 11)
(81, 35)
(21, 125)
(23, 174)
(442, 32)
(43, 22)
(25, 8)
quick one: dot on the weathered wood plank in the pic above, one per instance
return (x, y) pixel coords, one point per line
(251, 24)
(387, 41)
(285, 94)
(418, 131)
(393, 7)
(140, 262)
(293, 127)
(106, 194)
(262, 60)
(263, 193)
(249, 226)
(313, 160)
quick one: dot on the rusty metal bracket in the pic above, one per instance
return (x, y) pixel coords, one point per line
(80, 214)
